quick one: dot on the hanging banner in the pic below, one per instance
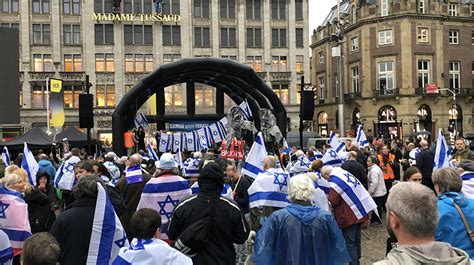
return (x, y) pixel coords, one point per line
(56, 103)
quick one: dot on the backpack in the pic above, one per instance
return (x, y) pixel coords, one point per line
(117, 200)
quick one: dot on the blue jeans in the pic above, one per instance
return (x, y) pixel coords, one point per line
(352, 237)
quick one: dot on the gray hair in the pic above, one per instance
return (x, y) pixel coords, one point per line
(11, 179)
(270, 161)
(301, 188)
(416, 206)
(86, 187)
(197, 155)
(326, 169)
(299, 153)
(135, 159)
(447, 179)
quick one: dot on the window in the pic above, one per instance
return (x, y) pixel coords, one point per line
(38, 97)
(321, 57)
(40, 6)
(43, 63)
(140, 6)
(104, 63)
(299, 9)
(282, 92)
(202, 37)
(10, 6)
(229, 57)
(279, 64)
(423, 73)
(421, 6)
(204, 95)
(103, 6)
(323, 93)
(71, 96)
(174, 96)
(453, 37)
(299, 63)
(71, 34)
(138, 34)
(10, 25)
(255, 62)
(278, 38)
(228, 37)
(385, 77)
(105, 95)
(254, 37)
(383, 7)
(104, 33)
(355, 44)
(454, 74)
(355, 79)
(41, 34)
(253, 9)
(299, 38)
(71, 7)
(278, 9)
(452, 10)
(138, 63)
(169, 58)
(171, 35)
(170, 7)
(201, 8)
(72, 63)
(385, 37)
(227, 8)
(422, 35)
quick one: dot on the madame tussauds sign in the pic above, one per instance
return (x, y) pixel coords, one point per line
(136, 17)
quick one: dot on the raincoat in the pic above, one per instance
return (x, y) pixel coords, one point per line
(300, 235)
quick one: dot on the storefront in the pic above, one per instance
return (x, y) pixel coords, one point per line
(387, 126)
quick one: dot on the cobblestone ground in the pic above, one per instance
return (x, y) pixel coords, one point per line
(373, 244)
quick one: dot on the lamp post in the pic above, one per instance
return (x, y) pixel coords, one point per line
(453, 92)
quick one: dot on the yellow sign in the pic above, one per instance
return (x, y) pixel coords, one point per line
(56, 103)
(56, 85)
(136, 17)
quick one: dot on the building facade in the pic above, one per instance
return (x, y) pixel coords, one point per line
(395, 54)
(117, 45)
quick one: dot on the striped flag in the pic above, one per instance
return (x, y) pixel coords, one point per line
(191, 168)
(254, 161)
(6, 250)
(29, 164)
(178, 142)
(246, 108)
(332, 158)
(178, 157)
(151, 153)
(6, 156)
(14, 218)
(65, 177)
(192, 141)
(204, 138)
(301, 165)
(442, 158)
(412, 156)
(165, 142)
(217, 132)
(352, 192)
(133, 174)
(270, 188)
(361, 139)
(286, 147)
(141, 121)
(108, 235)
(226, 190)
(335, 143)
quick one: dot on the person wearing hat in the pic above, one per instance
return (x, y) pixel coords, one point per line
(228, 227)
(466, 168)
(163, 192)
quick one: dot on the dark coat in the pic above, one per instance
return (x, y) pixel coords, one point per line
(73, 230)
(241, 195)
(424, 161)
(356, 169)
(39, 211)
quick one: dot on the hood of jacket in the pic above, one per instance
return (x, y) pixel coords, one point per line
(44, 163)
(304, 213)
(432, 253)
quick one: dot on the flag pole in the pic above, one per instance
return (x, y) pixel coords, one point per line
(48, 81)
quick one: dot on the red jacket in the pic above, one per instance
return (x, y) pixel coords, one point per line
(342, 212)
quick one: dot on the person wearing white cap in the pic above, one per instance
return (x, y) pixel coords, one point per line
(163, 192)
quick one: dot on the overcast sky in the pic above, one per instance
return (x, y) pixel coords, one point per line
(318, 10)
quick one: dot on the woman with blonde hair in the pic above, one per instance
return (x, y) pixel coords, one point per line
(13, 182)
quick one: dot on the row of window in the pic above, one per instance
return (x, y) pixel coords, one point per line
(422, 8)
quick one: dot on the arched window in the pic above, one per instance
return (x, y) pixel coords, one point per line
(323, 123)
(387, 113)
(424, 113)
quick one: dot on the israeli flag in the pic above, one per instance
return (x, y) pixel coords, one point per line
(361, 139)
(6, 250)
(301, 165)
(133, 174)
(204, 138)
(412, 156)
(141, 121)
(318, 154)
(286, 147)
(223, 123)
(108, 235)
(65, 177)
(246, 108)
(254, 161)
(165, 142)
(178, 142)
(178, 158)
(192, 141)
(352, 192)
(217, 133)
(226, 190)
(6, 156)
(442, 158)
(335, 143)
(332, 158)
(191, 167)
(29, 164)
(270, 188)
(151, 153)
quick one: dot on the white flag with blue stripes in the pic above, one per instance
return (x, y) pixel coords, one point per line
(151, 153)
(217, 132)
(301, 165)
(29, 164)
(191, 167)
(335, 143)
(246, 108)
(192, 141)
(254, 160)
(6, 156)
(165, 142)
(361, 139)
(178, 142)
(6, 250)
(286, 147)
(270, 188)
(108, 235)
(442, 158)
(332, 158)
(412, 156)
(65, 177)
(204, 138)
(226, 190)
(352, 192)
(141, 121)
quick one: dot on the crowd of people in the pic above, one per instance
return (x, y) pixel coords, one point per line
(197, 208)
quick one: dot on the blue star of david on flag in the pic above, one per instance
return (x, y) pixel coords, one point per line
(190, 141)
(3, 208)
(283, 183)
(69, 168)
(196, 163)
(332, 153)
(214, 132)
(351, 179)
(163, 142)
(163, 204)
(121, 242)
(303, 163)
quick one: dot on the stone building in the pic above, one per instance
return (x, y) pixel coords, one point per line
(116, 46)
(394, 54)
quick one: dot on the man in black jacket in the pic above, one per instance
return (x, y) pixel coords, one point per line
(355, 168)
(229, 225)
(240, 184)
(424, 161)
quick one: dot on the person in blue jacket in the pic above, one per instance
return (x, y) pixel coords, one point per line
(451, 229)
(300, 233)
(46, 166)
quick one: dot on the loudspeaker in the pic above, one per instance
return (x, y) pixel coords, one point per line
(307, 105)
(86, 105)
(10, 76)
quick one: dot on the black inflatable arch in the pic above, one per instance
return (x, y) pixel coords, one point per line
(236, 80)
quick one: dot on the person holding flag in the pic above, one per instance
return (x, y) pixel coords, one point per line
(254, 161)
(6, 156)
(29, 164)
(64, 179)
